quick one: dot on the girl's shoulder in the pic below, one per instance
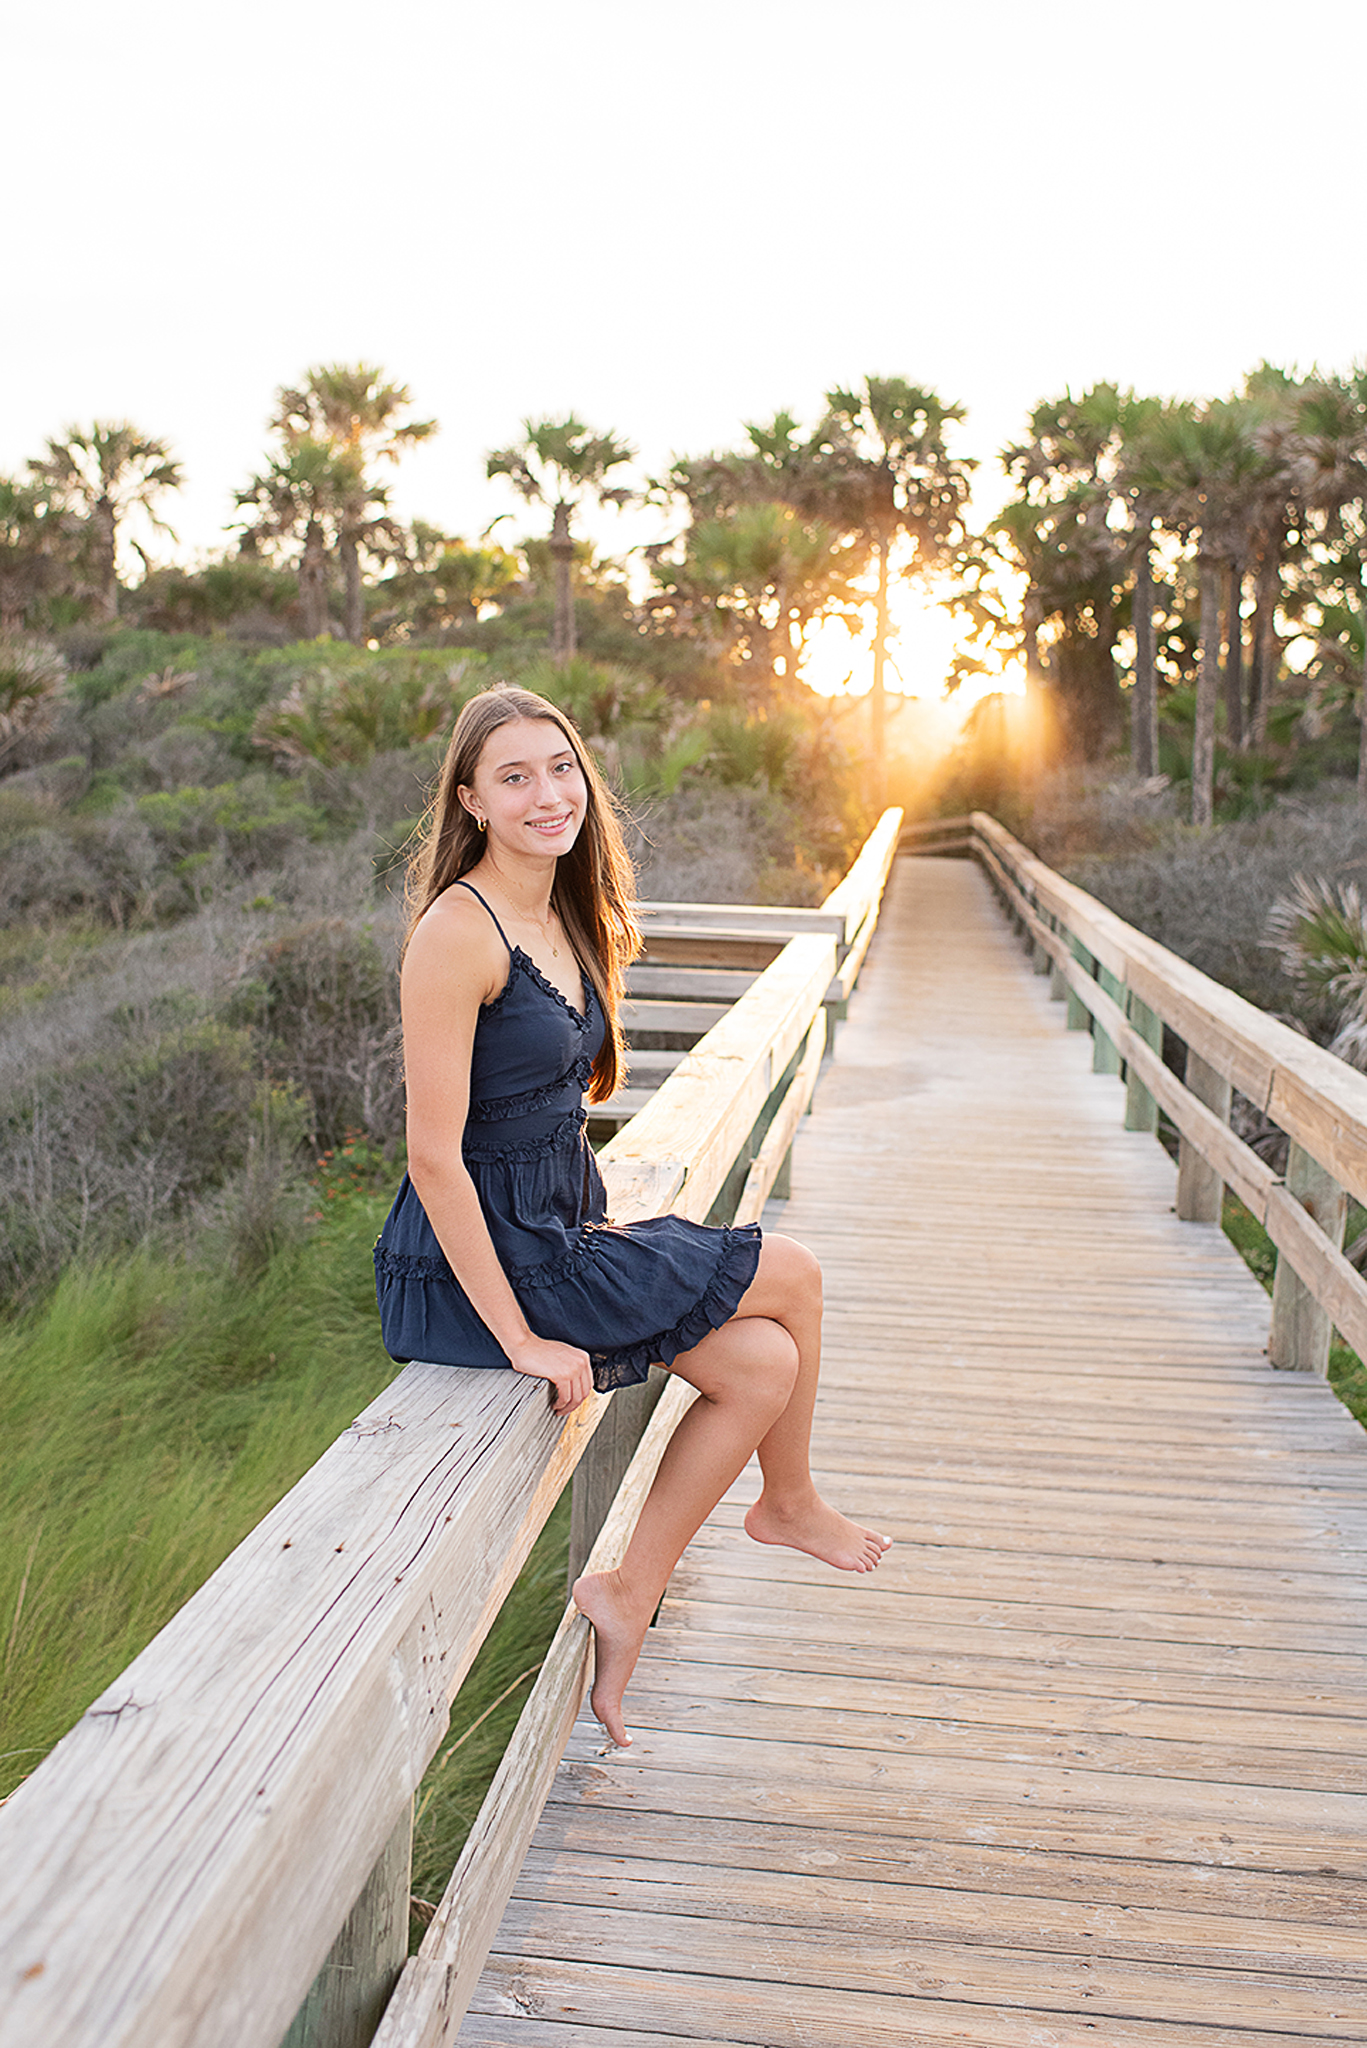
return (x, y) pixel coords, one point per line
(456, 939)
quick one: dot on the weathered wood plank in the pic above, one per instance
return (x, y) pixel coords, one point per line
(647, 1014)
(1314, 1286)
(859, 891)
(894, 1910)
(371, 1586)
(711, 1101)
(562, 2000)
(743, 920)
(768, 1161)
(687, 984)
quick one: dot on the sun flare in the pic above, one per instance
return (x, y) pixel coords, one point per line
(921, 647)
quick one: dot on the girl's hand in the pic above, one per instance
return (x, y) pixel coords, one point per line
(566, 1367)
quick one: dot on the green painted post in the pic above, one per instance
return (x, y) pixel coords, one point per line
(1105, 1057)
(1079, 1016)
(1301, 1331)
(1200, 1190)
(350, 1992)
(1141, 1110)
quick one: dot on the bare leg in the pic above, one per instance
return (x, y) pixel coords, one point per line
(757, 1376)
(744, 1373)
(790, 1510)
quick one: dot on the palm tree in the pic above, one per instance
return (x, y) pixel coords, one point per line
(888, 475)
(36, 550)
(442, 585)
(1066, 532)
(352, 409)
(560, 463)
(300, 497)
(760, 575)
(1196, 466)
(32, 685)
(1327, 454)
(102, 473)
(1272, 511)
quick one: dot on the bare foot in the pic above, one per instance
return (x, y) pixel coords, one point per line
(617, 1638)
(820, 1531)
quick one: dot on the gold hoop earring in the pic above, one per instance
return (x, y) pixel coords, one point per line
(483, 824)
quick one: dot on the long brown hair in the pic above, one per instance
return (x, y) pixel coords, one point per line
(594, 888)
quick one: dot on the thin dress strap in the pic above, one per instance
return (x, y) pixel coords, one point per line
(489, 907)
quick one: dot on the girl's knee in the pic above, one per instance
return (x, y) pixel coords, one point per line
(796, 1269)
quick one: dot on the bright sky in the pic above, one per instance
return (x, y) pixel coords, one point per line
(667, 220)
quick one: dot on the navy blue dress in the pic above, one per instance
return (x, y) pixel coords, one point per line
(630, 1294)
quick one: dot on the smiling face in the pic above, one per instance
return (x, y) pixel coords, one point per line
(529, 787)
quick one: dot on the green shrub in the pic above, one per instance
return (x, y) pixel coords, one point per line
(105, 1148)
(344, 714)
(57, 865)
(251, 823)
(324, 999)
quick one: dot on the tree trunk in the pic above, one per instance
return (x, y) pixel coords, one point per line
(313, 582)
(1144, 704)
(353, 607)
(1234, 655)
(878, 701)
(1039, 736)
(1267, 591)
(562, 555)
(106, 564)
(1207, 691)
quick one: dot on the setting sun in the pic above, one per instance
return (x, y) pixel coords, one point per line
(921, 648)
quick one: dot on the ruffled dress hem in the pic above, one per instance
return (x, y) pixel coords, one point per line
(628, 1364)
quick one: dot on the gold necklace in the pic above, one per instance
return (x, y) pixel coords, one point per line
(544, 929)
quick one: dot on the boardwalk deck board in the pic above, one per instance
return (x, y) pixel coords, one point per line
(1081, 1763)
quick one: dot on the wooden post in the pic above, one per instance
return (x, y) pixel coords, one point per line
(598, 1474)
(1141, 1111)
(1200, 1190)
(348, 1996)
(1079, 1016)
(1301, 1331)
(782, 1189)
(1105, 1058)
(1058, 987)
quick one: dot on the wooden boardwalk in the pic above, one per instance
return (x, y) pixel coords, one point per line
(1082, 1762)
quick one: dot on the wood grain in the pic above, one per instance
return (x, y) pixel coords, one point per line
(1079, 1762)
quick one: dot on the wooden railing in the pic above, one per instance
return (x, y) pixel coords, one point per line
(176, 1873)
(1136, 998)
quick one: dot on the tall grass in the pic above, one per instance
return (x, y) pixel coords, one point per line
(154, 1411)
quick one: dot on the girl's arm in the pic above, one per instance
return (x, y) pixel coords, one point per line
(455, 962)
